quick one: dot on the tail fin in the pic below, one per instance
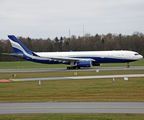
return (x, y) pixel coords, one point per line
(18, 46)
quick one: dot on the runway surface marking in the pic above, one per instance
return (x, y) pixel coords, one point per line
(72, 107)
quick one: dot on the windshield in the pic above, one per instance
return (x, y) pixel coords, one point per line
(136, 54)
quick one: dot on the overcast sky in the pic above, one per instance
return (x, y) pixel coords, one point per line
(54, 18)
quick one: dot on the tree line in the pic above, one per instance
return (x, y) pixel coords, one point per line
(134, 42)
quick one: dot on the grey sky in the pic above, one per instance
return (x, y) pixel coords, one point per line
(54, 18)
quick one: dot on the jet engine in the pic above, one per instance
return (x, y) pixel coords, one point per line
(84, 64)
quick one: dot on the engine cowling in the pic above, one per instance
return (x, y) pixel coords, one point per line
(84, 64)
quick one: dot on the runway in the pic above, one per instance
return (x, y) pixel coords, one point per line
(72, 107)
(65, 70)
(83, 77)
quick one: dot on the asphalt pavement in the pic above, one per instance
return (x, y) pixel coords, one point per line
(72, 107)
(65, 70)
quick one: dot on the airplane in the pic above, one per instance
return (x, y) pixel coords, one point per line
(75, 60)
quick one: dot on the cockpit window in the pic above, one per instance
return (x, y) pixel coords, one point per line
(136, 54)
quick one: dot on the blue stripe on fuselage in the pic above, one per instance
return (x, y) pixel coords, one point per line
(97, 60)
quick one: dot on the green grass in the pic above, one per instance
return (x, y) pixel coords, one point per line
(72, 117)
(27, 64)
(73, 90)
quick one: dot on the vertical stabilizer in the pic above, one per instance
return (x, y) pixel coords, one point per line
(18, 46)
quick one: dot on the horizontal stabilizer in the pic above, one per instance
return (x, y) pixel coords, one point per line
(13, 54)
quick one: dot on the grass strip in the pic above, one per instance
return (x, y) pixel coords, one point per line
(72, 117)
(73, 90)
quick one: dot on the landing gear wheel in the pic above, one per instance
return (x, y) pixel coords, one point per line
(128, 66)
(68, 68)
(78, 67)
(74, 67)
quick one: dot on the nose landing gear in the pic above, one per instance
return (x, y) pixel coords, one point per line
(128, 65)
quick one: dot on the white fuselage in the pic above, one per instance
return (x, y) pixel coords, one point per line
(99, 56)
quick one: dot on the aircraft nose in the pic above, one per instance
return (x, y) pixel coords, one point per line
(141, 56)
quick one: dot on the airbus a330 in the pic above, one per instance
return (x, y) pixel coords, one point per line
(75, 60)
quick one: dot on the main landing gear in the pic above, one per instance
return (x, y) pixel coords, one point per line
(128, 65)
(72, 67)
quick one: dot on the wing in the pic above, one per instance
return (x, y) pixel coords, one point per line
(68, 59)
(63, 58)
